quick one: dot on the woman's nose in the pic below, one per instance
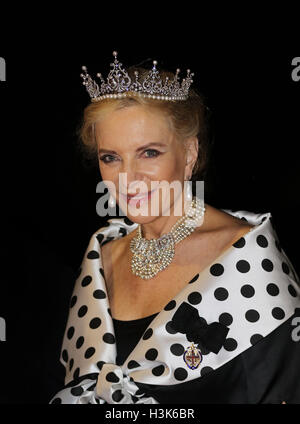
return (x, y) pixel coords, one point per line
(131, 179)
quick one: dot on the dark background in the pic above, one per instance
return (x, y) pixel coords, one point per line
(49, 194)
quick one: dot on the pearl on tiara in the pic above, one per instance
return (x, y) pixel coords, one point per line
(119, 85)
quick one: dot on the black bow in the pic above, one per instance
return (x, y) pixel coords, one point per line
(187, 320)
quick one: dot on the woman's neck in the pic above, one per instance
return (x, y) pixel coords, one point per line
(163, 224)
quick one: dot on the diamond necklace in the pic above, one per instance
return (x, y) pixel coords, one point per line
(154, 255)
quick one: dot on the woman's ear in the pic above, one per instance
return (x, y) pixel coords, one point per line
(191, 155)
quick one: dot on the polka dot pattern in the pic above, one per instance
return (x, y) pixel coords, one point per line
(226, 319)
(158, 371)
(133, 364)
(76, 374)
(240, 243)
(180, 374)
(230, 344)
(252, 315)
(292, 290)
(205, 370)
(171, 305)
(79, 342)
(194, 298)
(99, 294)
(71, 363)
(285, 268)
(148, 333)
(109, 338)
(112, 377)
(117, 396)
(221, 293)
(272, 289)
(100, 364)
(70, 332)
(151, 354)
(82, 311)
(194, 279)
(278, 313)
(65, 355)
(262, 240)
(86, 280)
(100, 238)
(177, 349)
(249, 289)
(95, 323)
(243, 266)
(122, 232)
(73, 301)
(255, 338)
(217, 270)
(169, 328)
(267, 265)
(77, 391)
(89, 352)
(93, 254)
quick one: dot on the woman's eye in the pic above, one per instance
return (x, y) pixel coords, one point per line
(151, 153)
(107, 158)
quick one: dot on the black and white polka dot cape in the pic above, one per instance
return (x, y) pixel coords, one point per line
(251, 288)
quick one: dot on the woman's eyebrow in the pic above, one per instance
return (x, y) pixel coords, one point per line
(153, 144)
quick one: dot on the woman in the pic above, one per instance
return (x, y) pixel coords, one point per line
(198, 309)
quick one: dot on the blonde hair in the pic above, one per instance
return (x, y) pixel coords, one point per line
(187, 117)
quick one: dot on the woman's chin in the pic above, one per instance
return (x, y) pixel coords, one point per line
(140, 219)
(140, 215)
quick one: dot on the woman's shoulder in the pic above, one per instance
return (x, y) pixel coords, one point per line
(223, 226)
(216, 219)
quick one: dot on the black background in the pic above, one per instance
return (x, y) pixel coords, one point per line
(242, 66)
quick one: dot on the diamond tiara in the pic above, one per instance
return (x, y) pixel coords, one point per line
(119, 84)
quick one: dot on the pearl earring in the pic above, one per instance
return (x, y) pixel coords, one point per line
(188, 190)
(111, 201)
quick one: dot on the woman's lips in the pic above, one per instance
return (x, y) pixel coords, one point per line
(134, 199)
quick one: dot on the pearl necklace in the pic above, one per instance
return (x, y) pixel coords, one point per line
(154, 255)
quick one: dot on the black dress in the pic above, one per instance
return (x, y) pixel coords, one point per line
(128, 334)
(268, 372)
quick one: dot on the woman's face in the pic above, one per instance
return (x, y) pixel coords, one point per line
(138, 151)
